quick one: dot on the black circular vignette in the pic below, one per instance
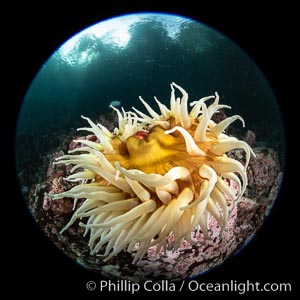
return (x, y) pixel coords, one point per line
(36, 35)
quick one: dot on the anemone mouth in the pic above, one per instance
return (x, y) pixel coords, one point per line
(155, 176)
(141, 134)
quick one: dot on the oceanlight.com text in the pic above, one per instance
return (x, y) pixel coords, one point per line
(235, 286)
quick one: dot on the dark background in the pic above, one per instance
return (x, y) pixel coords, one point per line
(35, 266)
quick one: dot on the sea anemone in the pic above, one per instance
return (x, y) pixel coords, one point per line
(155, 176)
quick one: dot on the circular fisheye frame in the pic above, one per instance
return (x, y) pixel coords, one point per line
(143, 148)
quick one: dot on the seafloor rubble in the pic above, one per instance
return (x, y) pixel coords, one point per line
(264, 181)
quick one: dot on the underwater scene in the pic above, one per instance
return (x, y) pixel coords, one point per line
(150, 146)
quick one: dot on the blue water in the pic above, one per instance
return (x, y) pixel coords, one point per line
(98, 70)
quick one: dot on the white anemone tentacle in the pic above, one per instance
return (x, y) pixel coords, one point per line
(191, 146)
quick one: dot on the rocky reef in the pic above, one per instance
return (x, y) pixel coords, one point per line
(264, 178)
